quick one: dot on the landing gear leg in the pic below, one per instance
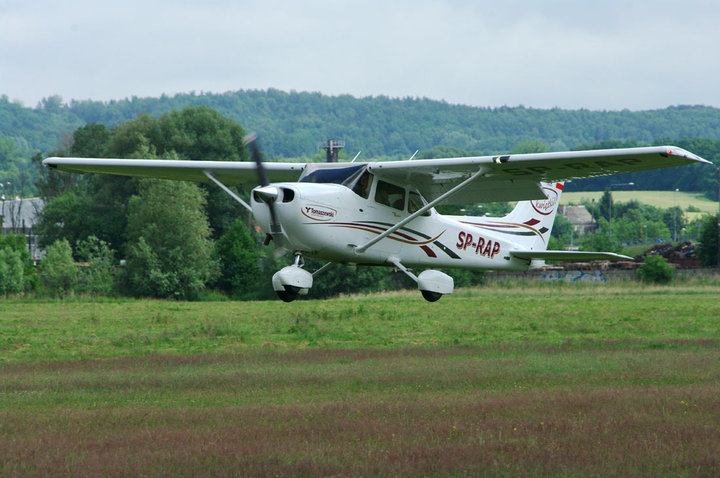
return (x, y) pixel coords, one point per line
(432, 284)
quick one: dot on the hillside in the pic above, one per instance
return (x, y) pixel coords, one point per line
(292, 123)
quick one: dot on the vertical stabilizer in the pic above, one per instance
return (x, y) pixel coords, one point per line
(531, 222)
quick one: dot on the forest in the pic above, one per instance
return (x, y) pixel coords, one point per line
(290, 125)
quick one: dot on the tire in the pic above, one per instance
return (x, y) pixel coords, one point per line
(431, 296)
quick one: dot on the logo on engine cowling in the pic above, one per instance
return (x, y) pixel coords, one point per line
(546, 206)
(318, 213)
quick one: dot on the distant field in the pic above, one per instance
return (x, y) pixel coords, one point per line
(562, 379)
(663, 199)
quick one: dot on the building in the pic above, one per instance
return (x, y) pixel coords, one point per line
(580, 218)
(19, 216)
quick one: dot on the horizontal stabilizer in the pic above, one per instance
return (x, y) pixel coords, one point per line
(569, 256)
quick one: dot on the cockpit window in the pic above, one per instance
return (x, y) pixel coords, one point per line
(363, 185)
(329, 173)
(390, 195)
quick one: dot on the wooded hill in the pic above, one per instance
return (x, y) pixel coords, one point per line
(291, 124)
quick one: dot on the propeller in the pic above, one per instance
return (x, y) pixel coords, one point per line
(265, 192)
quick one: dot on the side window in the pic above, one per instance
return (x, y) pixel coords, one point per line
(415, 203)
(390, 195)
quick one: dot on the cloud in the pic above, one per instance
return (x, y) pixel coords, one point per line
(601, 55)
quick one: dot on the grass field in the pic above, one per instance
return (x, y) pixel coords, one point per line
(661, 199)
(505, 380)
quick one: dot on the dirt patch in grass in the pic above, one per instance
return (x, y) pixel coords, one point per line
(505, 410)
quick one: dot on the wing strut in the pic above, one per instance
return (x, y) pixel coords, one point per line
(227, 190)
(419, 212)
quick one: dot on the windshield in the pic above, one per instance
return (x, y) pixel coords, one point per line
(330, 173)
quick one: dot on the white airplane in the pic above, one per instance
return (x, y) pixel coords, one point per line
(382, 213)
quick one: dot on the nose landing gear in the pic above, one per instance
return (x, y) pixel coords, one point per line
(292, 281)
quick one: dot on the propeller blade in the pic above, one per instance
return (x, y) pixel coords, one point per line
(268, 194)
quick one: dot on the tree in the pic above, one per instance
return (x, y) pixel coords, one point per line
(605, 207)
(12, 277)
(169, 253)
(529, 146)
(97, 276)
(562, 232)
(600, 239)
(238, 256)
(58, 273)
(16, 244)
(90, 141)
(708, 249)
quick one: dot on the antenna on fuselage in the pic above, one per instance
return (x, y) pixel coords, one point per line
(411, 157)
(356, 157)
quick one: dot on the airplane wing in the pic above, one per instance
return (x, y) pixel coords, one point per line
(515, 177)
(231, 173)
(504, 178)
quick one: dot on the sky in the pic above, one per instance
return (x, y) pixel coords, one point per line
(600, 55)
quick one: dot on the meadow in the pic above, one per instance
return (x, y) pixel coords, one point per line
(699, 204)
(509, 380)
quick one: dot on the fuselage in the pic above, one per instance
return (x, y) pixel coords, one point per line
(329, 221)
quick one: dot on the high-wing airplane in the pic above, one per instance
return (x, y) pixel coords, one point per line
(382, 213)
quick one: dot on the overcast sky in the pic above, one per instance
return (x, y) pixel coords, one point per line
(635, 54)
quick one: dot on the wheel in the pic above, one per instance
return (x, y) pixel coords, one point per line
(286, 296)
(431, 296)
(289, 294)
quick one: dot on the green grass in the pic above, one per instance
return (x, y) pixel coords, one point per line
(661, 199)
(579, 380)
(36, 331)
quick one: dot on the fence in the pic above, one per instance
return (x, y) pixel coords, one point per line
(599, 276)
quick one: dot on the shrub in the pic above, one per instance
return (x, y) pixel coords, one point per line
(58, 272)
(98, 275)
(656, 269)
(11, 272)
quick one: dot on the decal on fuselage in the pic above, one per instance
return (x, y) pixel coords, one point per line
(481, 246)
(318, 213)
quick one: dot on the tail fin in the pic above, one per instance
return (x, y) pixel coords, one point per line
(531, 222)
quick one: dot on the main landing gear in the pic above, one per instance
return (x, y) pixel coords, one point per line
(432, 284)
(293, 281)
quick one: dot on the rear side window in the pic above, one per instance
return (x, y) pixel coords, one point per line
(415, 202)
(390, 195)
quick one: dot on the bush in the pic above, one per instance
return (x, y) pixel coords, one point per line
(656, 269)
(15, 250)
(58, 272)
(11, 272)
(98, 274)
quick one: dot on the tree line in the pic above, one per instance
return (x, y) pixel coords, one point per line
(292, 123)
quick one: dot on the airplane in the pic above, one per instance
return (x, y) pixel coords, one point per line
(383, 213)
